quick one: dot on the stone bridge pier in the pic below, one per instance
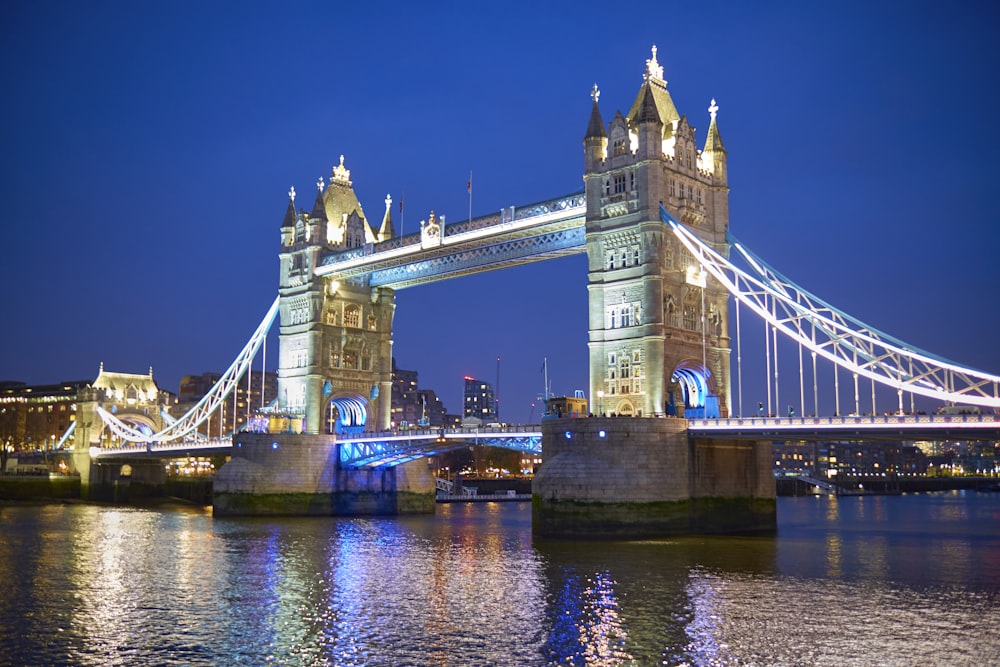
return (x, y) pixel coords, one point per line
(632, 477)
(299, 475)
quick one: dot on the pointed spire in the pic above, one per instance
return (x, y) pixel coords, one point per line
(647, 111)
(319, 208)
(595, 128)
(713, 142)
(289, 220)
(386, 231)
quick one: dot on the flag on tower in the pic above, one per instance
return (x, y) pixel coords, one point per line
(470, 182)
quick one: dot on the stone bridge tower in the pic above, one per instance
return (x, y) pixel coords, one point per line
(659, 330)
(133, 398)
(335, 341)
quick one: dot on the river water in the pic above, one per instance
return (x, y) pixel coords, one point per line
(871, 580)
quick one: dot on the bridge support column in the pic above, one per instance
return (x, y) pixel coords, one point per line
(644, 477)
(80, 464)
(299, 475)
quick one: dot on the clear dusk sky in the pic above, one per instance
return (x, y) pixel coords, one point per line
(148, 148)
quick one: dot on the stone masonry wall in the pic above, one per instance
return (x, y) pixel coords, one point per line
(298, 474)
(643, 477)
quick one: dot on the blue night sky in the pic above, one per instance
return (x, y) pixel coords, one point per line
(148, 149)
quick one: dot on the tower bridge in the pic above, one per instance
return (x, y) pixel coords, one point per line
(653, 219)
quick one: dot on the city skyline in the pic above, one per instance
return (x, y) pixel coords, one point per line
(150, 150)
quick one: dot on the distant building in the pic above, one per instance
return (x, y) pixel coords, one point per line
(413, 406)
(478, 401)
(793, 458)
(34, 418)
(847, 459)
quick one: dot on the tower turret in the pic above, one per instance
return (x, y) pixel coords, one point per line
(596, 140)
(650, 127)
(386, 231)
(713, 157)
(288, 222)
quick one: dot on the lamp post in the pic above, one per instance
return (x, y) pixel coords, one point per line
(600, 402)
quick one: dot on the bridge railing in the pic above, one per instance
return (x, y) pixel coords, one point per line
(178, 447)
(845, 420)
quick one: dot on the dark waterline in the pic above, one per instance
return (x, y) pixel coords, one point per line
(872, 580)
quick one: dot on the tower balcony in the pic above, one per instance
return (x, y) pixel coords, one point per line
(689, 211)
(619, 203)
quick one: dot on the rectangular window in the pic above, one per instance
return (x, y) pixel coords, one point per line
(619, 183)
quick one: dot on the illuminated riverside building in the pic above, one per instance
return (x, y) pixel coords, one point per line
(847, 459)
(478, 401)
(35, 417)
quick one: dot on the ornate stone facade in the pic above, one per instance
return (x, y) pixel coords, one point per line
(335, 357)
(658, 325)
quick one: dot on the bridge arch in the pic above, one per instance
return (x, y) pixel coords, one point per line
(626, 409)
(697, 392)
(140, 421)
(346, 413)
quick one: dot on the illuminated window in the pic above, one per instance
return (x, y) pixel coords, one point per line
(352, 316)
(619, 147)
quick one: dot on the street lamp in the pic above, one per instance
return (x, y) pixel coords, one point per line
(600, 402)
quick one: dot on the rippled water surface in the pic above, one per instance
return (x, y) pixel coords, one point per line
(890, 580)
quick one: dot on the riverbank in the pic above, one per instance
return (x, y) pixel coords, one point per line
(65, 488)
(787, 486)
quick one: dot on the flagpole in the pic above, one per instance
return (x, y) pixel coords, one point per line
(470, 195)
(401, 196)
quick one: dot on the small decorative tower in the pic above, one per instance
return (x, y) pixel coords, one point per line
(659, 340)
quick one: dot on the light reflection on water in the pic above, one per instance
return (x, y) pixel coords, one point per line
(851, 581)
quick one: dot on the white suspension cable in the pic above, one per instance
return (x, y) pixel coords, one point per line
(214, 399)
(841, 339)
